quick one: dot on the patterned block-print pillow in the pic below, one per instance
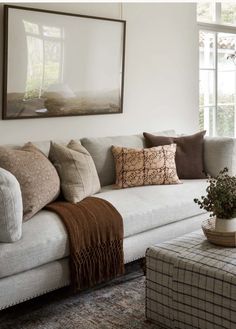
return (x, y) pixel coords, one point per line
(150, 166)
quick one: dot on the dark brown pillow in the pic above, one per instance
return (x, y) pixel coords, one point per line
(189, 153)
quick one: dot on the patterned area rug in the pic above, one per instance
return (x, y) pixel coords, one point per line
(118, 304)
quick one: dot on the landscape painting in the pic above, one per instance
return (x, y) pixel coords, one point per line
(58, 64)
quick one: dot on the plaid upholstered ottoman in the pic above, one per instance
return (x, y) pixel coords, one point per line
(191, 284)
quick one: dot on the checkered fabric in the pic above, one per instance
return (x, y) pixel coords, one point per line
(191, 284)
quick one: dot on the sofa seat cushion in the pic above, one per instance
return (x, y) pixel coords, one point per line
(44, 239)
(147, 207)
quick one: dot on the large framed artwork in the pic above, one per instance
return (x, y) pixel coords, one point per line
(61, 64)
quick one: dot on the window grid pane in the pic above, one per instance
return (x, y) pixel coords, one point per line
(228, 13)
(217, 112)
(226, 85)
(206, 12)
(207, 50)
(207, 120)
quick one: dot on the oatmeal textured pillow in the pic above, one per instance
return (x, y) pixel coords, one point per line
(75, 166)
(38, 179)
(137, 167)
(189, 153)
(11, 209)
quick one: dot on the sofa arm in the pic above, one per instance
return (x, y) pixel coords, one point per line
(219, 152)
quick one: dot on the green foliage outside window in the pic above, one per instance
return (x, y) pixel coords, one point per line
(228, 13)
(224, 119)
(206, 11)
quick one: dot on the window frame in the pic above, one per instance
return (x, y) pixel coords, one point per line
(216, 17)
(215, 28)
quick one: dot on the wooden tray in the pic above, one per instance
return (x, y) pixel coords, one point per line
(225, 239)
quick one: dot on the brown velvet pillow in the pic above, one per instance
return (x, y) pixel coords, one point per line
(189, 153)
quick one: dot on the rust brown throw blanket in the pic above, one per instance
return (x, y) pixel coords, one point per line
(95, 230)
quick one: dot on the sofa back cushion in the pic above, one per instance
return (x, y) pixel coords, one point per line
(219, 152)
(11, 209)
(43, 146)
(100, 150)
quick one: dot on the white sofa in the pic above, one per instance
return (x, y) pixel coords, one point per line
(38, 263)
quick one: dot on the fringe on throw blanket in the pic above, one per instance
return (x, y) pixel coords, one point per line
(95, 230)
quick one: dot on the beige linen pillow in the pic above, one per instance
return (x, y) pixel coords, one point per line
(76, 169)
(38, 179)
(137, 167)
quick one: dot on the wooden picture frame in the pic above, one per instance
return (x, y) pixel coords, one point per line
(61, 64)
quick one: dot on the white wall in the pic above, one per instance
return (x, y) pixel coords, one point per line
(161, 75)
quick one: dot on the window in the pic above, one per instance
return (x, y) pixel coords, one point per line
(220, 13)
(217, 68)
(206, 12)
